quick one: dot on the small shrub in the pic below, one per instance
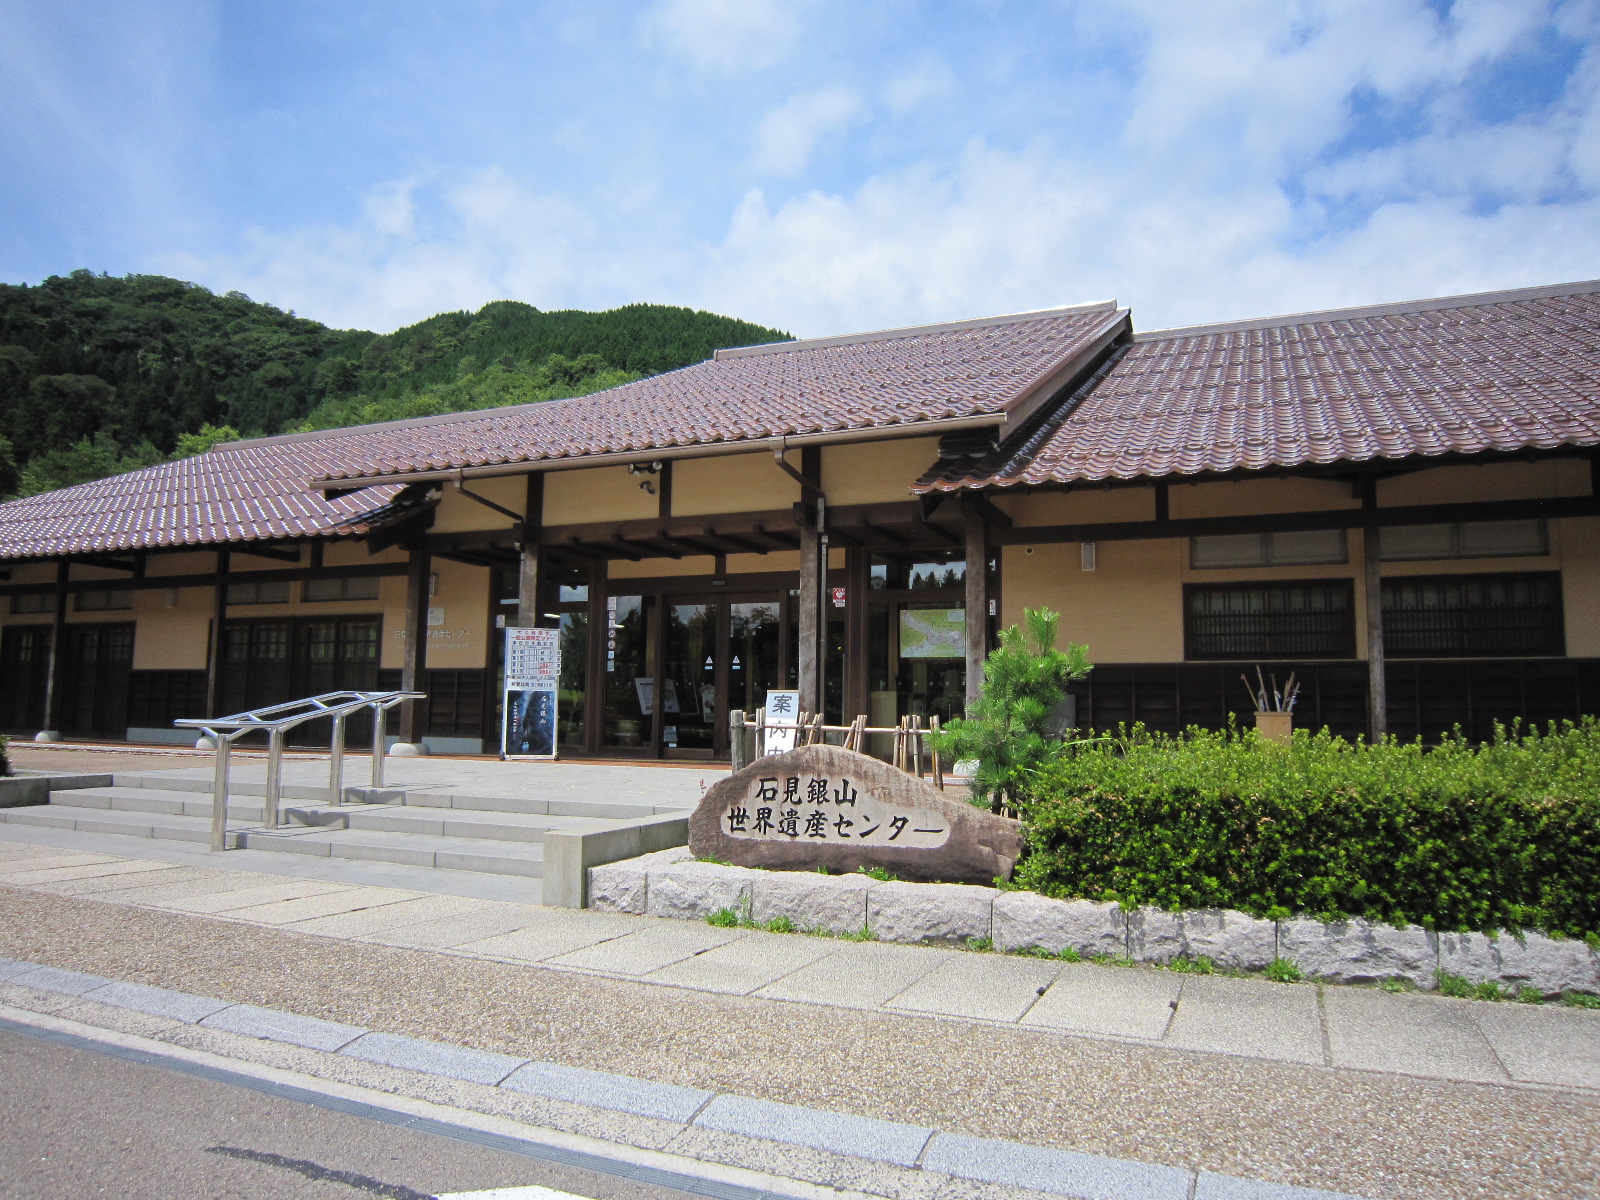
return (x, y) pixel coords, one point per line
(5, 763)
(1529, 995)
(724, 918)
(1454, 837)
(1283, 970)
(779, 925)
(1199, 965)
(980, 943)
(1580, 1000)
(1069, 954)
(1489, 990)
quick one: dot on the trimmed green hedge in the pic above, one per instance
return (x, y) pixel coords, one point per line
(1456, 837)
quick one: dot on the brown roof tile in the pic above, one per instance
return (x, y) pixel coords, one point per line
(866, 382)
(1507, 371)
(234, 495)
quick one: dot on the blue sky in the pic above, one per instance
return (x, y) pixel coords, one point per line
(822, 166)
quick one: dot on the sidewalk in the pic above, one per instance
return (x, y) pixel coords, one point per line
(1342, 1089)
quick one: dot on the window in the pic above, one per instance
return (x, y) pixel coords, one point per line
(33, 602)
(1445, 616)
(1296, 549)
(104, 600)
(364, 588)
(1269, 620)
(1474, 539)
(271, 592)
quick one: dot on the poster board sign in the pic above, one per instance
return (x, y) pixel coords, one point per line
(783, 709)
(533, 673)
(933, 633)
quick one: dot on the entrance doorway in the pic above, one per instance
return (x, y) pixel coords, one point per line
(25, 667)
(273, 661)
(718, 653)
(94, 691)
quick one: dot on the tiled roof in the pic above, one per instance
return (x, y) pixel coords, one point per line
(237, 495)
(898, 378)
(1507, 371)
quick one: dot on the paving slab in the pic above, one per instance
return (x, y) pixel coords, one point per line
(313, 1033)
(989, 987)
(42, 858)
(838, 1133)
(109, 887)
(1543, 1044)
(741, 967)
(1118, 1001)
(648, 950)
(435, 1058)
(550, 934)
(1088, 1176)
(205, 901)
(857, 975)
(392, 916)
(99, 870)
(642, 1097)
(1411, 1034)
(286, 912)
(449, 932)
(1248, 1016)
(56, 979)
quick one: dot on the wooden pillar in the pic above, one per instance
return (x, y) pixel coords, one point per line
(55, 675)
(857, 651)
(215, 661)
(594, 701)
(977, 580)
(414, 667)
(1372, 593)
(813, 585)
(529, 610)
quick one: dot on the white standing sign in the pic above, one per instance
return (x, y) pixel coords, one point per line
(783, 715)
(533, 673)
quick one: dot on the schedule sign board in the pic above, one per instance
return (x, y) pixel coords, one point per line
(533, 672)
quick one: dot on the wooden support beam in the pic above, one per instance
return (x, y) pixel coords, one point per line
(150, 582)
(857, 653)
(56, 667)
(1372, 593)
(977, 598)
(414, 666)
(216, 661)
(599, 641)
(529, 607)
(813, 588)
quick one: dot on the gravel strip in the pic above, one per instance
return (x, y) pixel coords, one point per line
(1310, 1126)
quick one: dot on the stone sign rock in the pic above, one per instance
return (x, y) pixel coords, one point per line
(824, 806)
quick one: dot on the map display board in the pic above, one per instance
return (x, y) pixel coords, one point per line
(533, 673)
(933, 633)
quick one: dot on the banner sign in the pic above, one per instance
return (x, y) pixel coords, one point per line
(533, 672)
(783, 711)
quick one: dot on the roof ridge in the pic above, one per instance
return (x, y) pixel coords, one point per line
(908, 331)
(1434, 304)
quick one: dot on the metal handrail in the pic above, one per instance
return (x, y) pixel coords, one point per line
(276, 720)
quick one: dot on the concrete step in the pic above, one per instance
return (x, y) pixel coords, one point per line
(153, 816)
(433, 822)
(151, 800)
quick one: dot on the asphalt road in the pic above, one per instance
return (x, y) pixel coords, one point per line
(79, 1124)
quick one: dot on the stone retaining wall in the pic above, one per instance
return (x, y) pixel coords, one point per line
(670, 883)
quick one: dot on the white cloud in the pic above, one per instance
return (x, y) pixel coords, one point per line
(912, 89)
(723, 37)
(788, 135)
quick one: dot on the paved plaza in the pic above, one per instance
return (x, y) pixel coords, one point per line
(1341, 1089)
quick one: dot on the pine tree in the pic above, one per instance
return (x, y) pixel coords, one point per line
(1024, 682)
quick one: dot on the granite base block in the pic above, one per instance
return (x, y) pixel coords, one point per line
(1027, 920)
(1552, 965)
(829, 903)
(694, 890)
(940, 913)
(1360, 951)
(1230, 939)
(1155, 936)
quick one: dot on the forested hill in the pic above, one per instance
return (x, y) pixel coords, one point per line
(101, 374)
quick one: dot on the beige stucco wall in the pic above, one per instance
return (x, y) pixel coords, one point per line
(1249, 496)
(875, 472)
(731, 483)
(596, 494)
(170, 637)
(1129, 609)
(1083, 506)
(457, 513)
(1497, 481)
